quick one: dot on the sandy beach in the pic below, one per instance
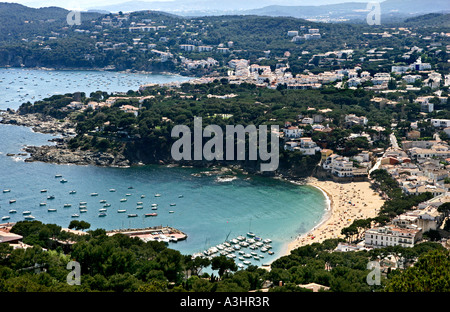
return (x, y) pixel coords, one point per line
(347, 203)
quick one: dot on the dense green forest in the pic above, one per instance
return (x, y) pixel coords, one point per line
(42, 38)
(122, 264)
(147, 137)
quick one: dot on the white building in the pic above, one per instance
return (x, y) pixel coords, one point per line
(292, 132)
(391, 235)
(441, 123)
(308, 146)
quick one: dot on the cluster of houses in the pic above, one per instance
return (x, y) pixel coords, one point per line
(408, 228)
(306, 34)
(420, 166)
(263, 76)
(196, 64)
(77, 105)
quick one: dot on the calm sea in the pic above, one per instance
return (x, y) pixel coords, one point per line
(209, 211)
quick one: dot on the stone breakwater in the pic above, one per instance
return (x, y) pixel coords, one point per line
(59, 153)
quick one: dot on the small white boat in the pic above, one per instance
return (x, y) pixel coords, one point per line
(154, 205)
(173, 205)
(121, 211)
(107, 205)
(43, 204)
(26, 212)
(29, 217)
(112, 190)
(83, 210)
(51, 209)
(102, 214)
(251, 234)
(63, 181)
(6, 191)
(58, 175)
(12, 201)
(139, 203)
(102, 210)
(83, 203)
(154, 208)
(139, 207)
(171, 211)
(94, 194)
(43, 191)
(12, 211)
(67, 205)
(75, 215)
(247, 262)
(128, 194)
(82, 207)
(132, 215)
(240, 265)
(180, 196)
(142, 196)
(6, 218)
(157, 195)
(72, 192)
(123, 200)
(102, 201)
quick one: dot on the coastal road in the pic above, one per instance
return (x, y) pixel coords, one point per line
(393, 140)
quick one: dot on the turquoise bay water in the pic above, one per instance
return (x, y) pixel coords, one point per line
(209, 211)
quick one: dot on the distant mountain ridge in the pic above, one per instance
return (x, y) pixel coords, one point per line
(340, 9)
(357, 10)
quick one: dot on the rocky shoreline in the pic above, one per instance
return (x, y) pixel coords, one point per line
(39, 123)
(59, 153)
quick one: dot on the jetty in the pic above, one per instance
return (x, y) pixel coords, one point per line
(155, 233)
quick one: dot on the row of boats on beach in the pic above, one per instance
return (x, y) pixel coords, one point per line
(240, 248)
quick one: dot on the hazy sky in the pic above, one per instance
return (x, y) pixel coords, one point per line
(83, 4)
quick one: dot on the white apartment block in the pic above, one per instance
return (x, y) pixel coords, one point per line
(292, 132)
(441, 123)
(391, 235)
(308, 146)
